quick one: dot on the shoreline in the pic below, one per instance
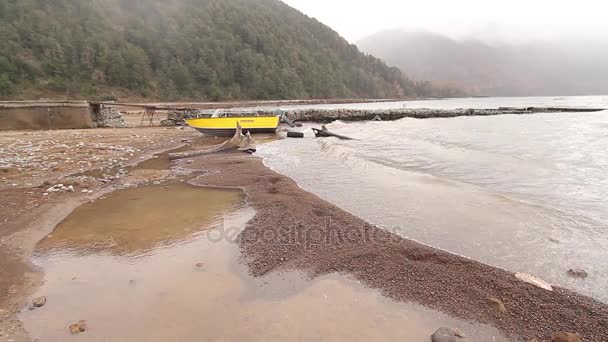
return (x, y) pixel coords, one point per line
(296, 230)
(28, 216)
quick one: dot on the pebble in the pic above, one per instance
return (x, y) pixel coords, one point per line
(566, 337)
(39, 302)
(78, 327)
(578, 273)
(532, 280)
(497, 304)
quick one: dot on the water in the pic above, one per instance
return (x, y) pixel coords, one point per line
(476, 103)
(148, 264)
(528, 193)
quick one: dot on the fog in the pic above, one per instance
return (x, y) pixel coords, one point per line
(507, 21)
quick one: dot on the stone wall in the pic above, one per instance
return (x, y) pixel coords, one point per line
(109, 117)
(179, 117)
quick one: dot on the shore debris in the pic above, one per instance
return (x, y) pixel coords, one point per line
(324, 132)
(497, 304)
(295, 135)
(532, 280)
(60, 188)
(448, 335)
(78, 327)
(240, 142)
(566, 337)
(577, 273)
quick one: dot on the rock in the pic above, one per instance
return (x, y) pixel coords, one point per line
(78, 327)
(168, 123)
(39, 302)
(566, 337)
(178, 117)
(497, 304)
(530, 279)
(448, 335)
(108, 117)
(577, 273)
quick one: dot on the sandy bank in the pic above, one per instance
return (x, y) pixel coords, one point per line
(33, 162)
(294, 229)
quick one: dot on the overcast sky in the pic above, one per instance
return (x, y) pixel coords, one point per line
(503, 19)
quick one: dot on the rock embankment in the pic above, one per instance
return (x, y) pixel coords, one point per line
(177, 117)
(109, 117)
(324, 115)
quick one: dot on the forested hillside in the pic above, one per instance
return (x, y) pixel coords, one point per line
(183, 49)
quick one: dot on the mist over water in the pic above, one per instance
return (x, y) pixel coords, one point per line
(528, 193)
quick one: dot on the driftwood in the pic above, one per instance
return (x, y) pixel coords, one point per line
(324, 132)
(239, 142)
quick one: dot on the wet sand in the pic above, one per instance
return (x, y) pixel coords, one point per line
(179, 277)
(294, 229)
(30, 163)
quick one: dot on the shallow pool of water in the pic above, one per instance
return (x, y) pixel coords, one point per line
(160, 263)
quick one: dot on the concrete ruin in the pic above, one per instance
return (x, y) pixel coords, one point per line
(40, 115)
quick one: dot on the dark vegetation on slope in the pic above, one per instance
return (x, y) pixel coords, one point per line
(184, 49)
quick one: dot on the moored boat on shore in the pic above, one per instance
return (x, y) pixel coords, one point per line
(224, 123)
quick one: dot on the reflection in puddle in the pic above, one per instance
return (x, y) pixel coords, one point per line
(139, 219)
(166, 276)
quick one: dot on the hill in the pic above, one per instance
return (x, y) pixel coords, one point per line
(183, 49)
(501, 69)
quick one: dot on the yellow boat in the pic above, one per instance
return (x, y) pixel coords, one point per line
(223, 124)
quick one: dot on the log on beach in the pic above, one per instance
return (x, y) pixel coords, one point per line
(324, 133)
(239, 142)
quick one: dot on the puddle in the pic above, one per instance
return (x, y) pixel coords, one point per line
(137, 220)
(152, 264)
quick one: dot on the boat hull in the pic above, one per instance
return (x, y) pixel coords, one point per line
(224, 127)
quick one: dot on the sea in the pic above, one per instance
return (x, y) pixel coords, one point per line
(527, 193)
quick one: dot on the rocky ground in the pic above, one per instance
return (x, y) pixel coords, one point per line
(44, 175)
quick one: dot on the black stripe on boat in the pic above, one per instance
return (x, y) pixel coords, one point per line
(228, 132)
